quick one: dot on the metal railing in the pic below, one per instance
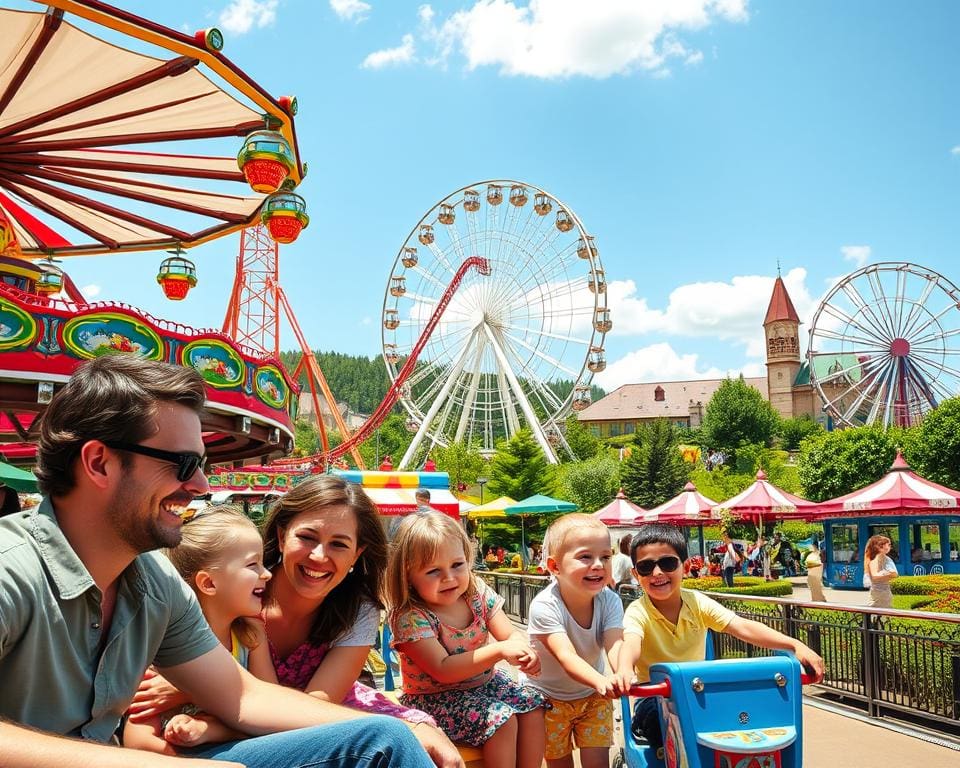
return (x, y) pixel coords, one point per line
(898, 664)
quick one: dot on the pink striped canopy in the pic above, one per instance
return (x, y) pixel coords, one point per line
(690, 507)
(898, 491)
(763, 499)
(620, 511)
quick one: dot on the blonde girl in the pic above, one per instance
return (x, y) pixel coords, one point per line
(878, 571)
(221, 558)
(441, 617)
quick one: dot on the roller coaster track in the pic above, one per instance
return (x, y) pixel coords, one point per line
(396, 388)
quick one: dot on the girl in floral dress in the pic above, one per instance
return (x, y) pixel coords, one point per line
(441, 617)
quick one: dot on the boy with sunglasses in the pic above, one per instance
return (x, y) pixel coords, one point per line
(668, 623)
(571, 624)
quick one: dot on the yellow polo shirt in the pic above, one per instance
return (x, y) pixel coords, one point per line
(663, 641)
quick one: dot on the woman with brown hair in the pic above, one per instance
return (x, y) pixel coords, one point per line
(878, 571)
(326, 548)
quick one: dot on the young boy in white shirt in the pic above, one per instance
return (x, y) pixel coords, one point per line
(571, 624)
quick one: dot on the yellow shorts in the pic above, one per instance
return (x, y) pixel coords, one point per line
(586, 722)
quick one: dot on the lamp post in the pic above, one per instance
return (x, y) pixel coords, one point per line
(481, 481)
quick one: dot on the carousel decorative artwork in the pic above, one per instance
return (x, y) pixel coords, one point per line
(106, 333)
(219, 365)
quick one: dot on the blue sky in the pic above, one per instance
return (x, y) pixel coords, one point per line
(702, 143)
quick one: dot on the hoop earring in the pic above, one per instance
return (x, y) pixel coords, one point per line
(351, 569)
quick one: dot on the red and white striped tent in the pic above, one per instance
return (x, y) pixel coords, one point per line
(690, 507)
(620, 512)
(764, 500)
(898, 491)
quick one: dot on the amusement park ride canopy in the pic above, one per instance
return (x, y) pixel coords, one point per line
(118, 134)
(74, 147)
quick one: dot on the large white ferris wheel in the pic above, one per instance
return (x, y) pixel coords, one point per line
(535, 316)
(885, 345)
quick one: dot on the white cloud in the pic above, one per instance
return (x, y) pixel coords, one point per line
(366, 321)
(858, 254)
(955, 151)
(240, 16)
(90, 291)
(388, 57)
(565, 38)
(727, 311)
(351, 10)
(655, 362)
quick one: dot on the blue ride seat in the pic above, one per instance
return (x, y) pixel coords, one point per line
(732, 705)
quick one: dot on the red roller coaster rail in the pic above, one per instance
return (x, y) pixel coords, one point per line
(393, 394)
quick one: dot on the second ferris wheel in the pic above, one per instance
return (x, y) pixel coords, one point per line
(506, 341)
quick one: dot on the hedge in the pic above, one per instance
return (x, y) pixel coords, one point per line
(742, 585)
(925, 585)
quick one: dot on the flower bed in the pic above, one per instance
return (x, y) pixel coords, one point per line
(742, 585)
(925, 585)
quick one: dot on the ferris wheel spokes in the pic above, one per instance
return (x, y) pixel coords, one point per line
(438, 402)
(532, 422)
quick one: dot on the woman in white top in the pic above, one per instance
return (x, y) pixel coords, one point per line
(878, 571)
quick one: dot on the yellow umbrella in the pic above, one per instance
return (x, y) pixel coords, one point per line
(490, 509)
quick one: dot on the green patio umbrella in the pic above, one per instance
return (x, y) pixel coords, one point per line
(535, 505)
(18, 479)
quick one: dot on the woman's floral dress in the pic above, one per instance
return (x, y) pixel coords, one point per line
(298, 668)
(470, 711)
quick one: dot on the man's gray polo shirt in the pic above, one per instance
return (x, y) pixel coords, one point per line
(52, 674)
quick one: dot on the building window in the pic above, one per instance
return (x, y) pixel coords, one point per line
(595, 430)
(629, 427)
(659, 395)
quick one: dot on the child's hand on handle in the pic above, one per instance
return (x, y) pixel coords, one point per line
(621, 682)
(809, 660)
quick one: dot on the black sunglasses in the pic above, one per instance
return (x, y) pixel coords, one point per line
(187, 463)
(666, 564)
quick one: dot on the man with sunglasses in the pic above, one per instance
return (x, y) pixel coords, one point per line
(668, 623)
(86, 604)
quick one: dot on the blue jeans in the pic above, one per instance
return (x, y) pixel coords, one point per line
(369, 742)
(728, 575)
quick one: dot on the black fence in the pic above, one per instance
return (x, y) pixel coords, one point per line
(898, 664)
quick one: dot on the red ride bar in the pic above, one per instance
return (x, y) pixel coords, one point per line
(807, 678)
(646, 690)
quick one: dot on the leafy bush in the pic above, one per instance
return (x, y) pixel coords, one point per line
(948, 603)
(742, 585)
(925, 585)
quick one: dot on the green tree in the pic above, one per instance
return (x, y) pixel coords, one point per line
(306, 438)
(654, 472)
(518, 468)
(834, 463)
(580, 439)
(590, 484)
(934, 451)
(463, 464)
(394, 439)
(794, 431)
(738, 415)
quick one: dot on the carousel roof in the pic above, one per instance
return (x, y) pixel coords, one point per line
(900, 490)
(620, 511)
(763, 498)
(97, 163)
(689, 507)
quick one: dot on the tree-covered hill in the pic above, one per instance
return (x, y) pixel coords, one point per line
(362, 382)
